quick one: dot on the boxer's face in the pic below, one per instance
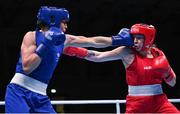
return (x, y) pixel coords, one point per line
(138, 42)
(63, 25)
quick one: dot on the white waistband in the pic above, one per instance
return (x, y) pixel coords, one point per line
(145, 90)
(29, 83)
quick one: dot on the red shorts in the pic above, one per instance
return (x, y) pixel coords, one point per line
(149, 104)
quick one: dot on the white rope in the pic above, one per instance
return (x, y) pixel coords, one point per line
(88, 102)
(2, 103)
(117, 102)
(56, 102)
(174, 100)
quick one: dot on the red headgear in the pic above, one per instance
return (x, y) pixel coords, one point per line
(147, 30)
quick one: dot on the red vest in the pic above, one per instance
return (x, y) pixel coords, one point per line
(144, 71)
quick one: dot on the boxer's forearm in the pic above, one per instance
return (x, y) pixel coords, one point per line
(82, 41)
(31, 63)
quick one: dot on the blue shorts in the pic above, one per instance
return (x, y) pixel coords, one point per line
(19, 99)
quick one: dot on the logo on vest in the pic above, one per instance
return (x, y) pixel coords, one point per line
(57, 57)
(147, 67)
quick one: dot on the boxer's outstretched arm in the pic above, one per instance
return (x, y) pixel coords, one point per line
(115, 54)
(96, 56)
(123, 38)
(82, 41)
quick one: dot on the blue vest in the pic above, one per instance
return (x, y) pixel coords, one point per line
(48, 64)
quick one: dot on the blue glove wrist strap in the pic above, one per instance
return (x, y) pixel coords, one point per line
(41, 50)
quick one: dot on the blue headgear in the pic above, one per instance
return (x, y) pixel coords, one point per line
(52, 16)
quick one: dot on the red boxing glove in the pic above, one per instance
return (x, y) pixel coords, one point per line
(76, 51)
(161, 65)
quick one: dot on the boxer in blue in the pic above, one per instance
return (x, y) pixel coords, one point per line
(40, 52)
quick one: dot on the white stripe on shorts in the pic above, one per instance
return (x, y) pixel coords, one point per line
(29, 83)
(145, 90)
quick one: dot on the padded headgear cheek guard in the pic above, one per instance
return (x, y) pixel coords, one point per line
(147, 30)
(52, 16)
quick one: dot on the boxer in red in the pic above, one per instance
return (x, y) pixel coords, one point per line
(146, 68)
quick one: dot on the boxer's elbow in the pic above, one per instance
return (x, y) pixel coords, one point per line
(27, 67)
(172, 83)
(31, 64)
(26, 70)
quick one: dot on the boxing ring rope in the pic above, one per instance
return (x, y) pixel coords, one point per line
(117, 102)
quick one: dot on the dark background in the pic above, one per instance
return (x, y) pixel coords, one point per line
(76, 79)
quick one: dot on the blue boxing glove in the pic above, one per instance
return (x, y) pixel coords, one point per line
(123, 38)
(53, 37)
